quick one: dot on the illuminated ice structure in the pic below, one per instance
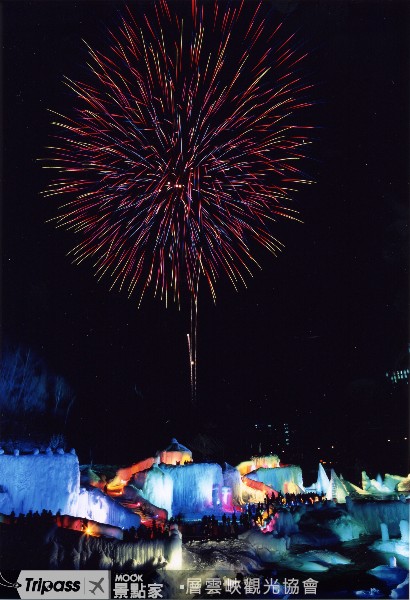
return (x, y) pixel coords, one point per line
(171, 481)
(338, 489)
(39, 481)
(393, 546)
(97, 506)
(287, 479)
(264, 476)
(370, 515)
(51, 481)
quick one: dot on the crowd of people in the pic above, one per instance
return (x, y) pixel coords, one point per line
(31, 519)
(209, 527)
(230, 525)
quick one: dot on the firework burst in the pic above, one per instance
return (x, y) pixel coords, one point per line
(183, 147)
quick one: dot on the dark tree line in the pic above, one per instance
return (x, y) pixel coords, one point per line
(34, 403)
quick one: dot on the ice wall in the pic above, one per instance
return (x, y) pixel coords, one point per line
(124, 475)
(96, 506)
(232, 479)
(371, 514)
(101, 553)
(283, 479)
(196, 487)
(158, 488)
(257, 462)
(36, 482)
(256, 491)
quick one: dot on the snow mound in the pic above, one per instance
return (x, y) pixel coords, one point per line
(326, 557)
(372, 593)
(268, 547)
(402, 590)
(346, 528)
(225, 555)
(390, 575)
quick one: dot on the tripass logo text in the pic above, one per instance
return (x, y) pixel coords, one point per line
(45, 585)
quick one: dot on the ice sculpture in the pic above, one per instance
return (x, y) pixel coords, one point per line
(189, 488)
(42, 481)
(226, 499)
(196, 487)
(353, 490)
(245, 467)
(404, 485)
(266, 462)
(285, 479)
(322, 483)
(378, 486)
(133, 499)
(395, 546)
(404, 531)
(175, 454)
(94, 505)
(371, 514)
(337, 490)
(174, 549)
(116, 485)
(385, 532)
(393, 481)
(158, 488)
(50, 481)
(256, 491)
(232, 479)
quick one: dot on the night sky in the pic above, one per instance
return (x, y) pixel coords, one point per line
(310, 339)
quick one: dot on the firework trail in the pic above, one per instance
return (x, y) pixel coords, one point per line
(183, 148)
